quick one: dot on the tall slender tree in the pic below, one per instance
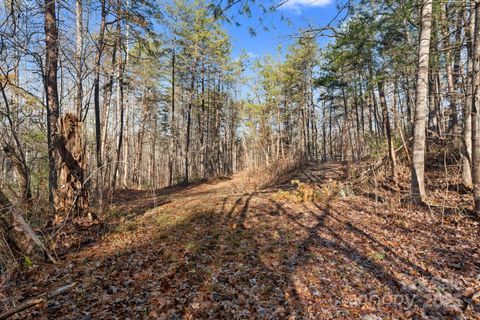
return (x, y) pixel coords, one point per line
(79, 57)
(419, 136)
(475, 109)
(51, 87)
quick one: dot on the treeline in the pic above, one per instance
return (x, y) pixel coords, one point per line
(114, 94)
(408, 71)
(399, 79)
(281, 111)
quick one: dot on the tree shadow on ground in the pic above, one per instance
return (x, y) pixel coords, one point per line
(136, 202)
(205, 266)
(251, 256)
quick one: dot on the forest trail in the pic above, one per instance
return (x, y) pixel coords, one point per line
(225, 250)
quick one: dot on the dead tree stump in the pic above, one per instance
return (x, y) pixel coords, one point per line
(71, 195)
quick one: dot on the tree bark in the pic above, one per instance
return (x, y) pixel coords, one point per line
(388, 129)
(78, 57)
(17, 157)
(172, 152)
(452, 126)
(98, 135)
(467, 111)
(71, 195)
(419, 137)
(120, 104)
(141, 133)
(189, 124)
(51, 86)
(23, 173)
(120, 135)
(475, 111)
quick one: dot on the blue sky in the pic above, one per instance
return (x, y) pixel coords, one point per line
(296, 14)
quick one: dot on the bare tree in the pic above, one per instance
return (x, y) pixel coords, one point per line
(78, 57)
(475, 111)
(51, 87)
(419, 136)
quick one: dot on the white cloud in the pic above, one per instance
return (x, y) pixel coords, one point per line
(298, 4)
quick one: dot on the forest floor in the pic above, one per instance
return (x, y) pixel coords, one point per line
(225, 249)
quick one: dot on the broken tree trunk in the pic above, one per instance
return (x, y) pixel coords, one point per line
(71, 194)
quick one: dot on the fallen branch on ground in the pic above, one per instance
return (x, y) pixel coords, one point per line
(7, 207)
(34, 301)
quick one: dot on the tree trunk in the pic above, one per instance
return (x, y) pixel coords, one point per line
(141, 133)
(126, 164)
(330, 128)
(78, 57)
(452, 126)
(467, 111)
(432, 124)
(70, 196)
(418, 160)
(397, 122)
(172, 152)
(324, 134)
(23, 173)
(388, 129)
(98, 135)
(107, 99)
(51, 86)
(17, 158)
(475, 111)
(120, 106)
(189, 124)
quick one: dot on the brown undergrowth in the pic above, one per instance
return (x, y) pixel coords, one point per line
(446, 193)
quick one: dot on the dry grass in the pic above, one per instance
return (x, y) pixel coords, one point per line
(278, 172)
(308, 192)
